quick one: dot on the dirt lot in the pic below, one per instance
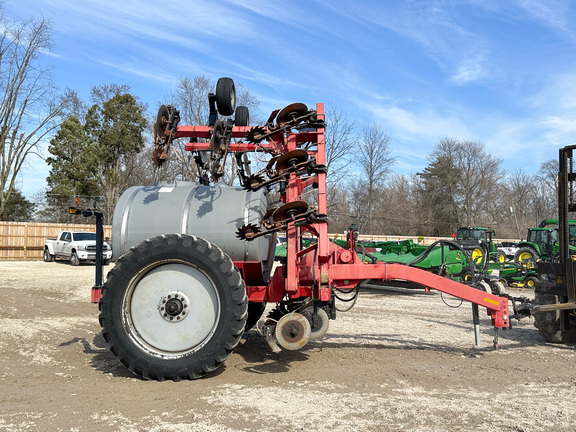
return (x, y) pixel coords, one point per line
(397, 361)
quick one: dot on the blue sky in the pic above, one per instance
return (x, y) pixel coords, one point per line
(502, 72)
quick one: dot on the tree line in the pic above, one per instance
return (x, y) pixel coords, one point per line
(99, 148)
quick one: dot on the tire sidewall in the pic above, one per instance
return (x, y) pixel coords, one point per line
(142, 259)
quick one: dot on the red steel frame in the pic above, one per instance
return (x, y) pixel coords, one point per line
(316, 270)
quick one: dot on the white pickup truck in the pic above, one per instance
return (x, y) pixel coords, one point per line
(76, 247)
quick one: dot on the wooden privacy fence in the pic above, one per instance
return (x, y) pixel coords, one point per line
(24, 241)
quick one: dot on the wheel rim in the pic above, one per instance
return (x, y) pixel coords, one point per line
(477, 256)
(171, 309)
(525, 256)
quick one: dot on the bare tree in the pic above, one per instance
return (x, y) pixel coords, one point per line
(341, 140)
(375, 162)
(190, 98)
(28, 105)
(480, 174)
(400, 210)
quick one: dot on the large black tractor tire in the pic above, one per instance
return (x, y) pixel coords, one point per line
(548, 323)
(225, 96)
(173, 307)
(526, 257)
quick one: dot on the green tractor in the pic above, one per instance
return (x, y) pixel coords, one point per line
(478, 243)
(542, 243)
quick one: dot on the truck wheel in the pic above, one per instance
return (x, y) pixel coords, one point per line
(173, 307)
(526, 257)
(74, 260)
(548, 323)
(105, 262)
(225, 96)
(48, 257)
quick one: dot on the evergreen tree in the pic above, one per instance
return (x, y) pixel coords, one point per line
(18, 208)
(116, 130)
(72, 164)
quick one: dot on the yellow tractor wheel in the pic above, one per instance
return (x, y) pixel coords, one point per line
(477, 256)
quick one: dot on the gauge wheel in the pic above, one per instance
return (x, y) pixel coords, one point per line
(242, 116)
(48, 257)
(225, 96)
(526, 257)
(319, 322)
(74, 260)
(173, 307)
(292, 331)
(499, 288)
(484, 286)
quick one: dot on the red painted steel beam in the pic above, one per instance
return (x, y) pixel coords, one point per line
(497, 306)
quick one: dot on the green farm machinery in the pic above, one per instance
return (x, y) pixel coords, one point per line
(542, 243)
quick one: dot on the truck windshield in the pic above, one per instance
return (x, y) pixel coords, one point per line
(82, 236)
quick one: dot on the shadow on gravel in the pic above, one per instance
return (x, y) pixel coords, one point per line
(101, 357)
(508, 340)
(259, 358)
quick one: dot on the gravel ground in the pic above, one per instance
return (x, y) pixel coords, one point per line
(399, 361)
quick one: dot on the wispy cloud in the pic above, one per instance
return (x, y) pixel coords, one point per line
(555, 14)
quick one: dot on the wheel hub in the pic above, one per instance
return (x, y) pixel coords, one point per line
(173, 307)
